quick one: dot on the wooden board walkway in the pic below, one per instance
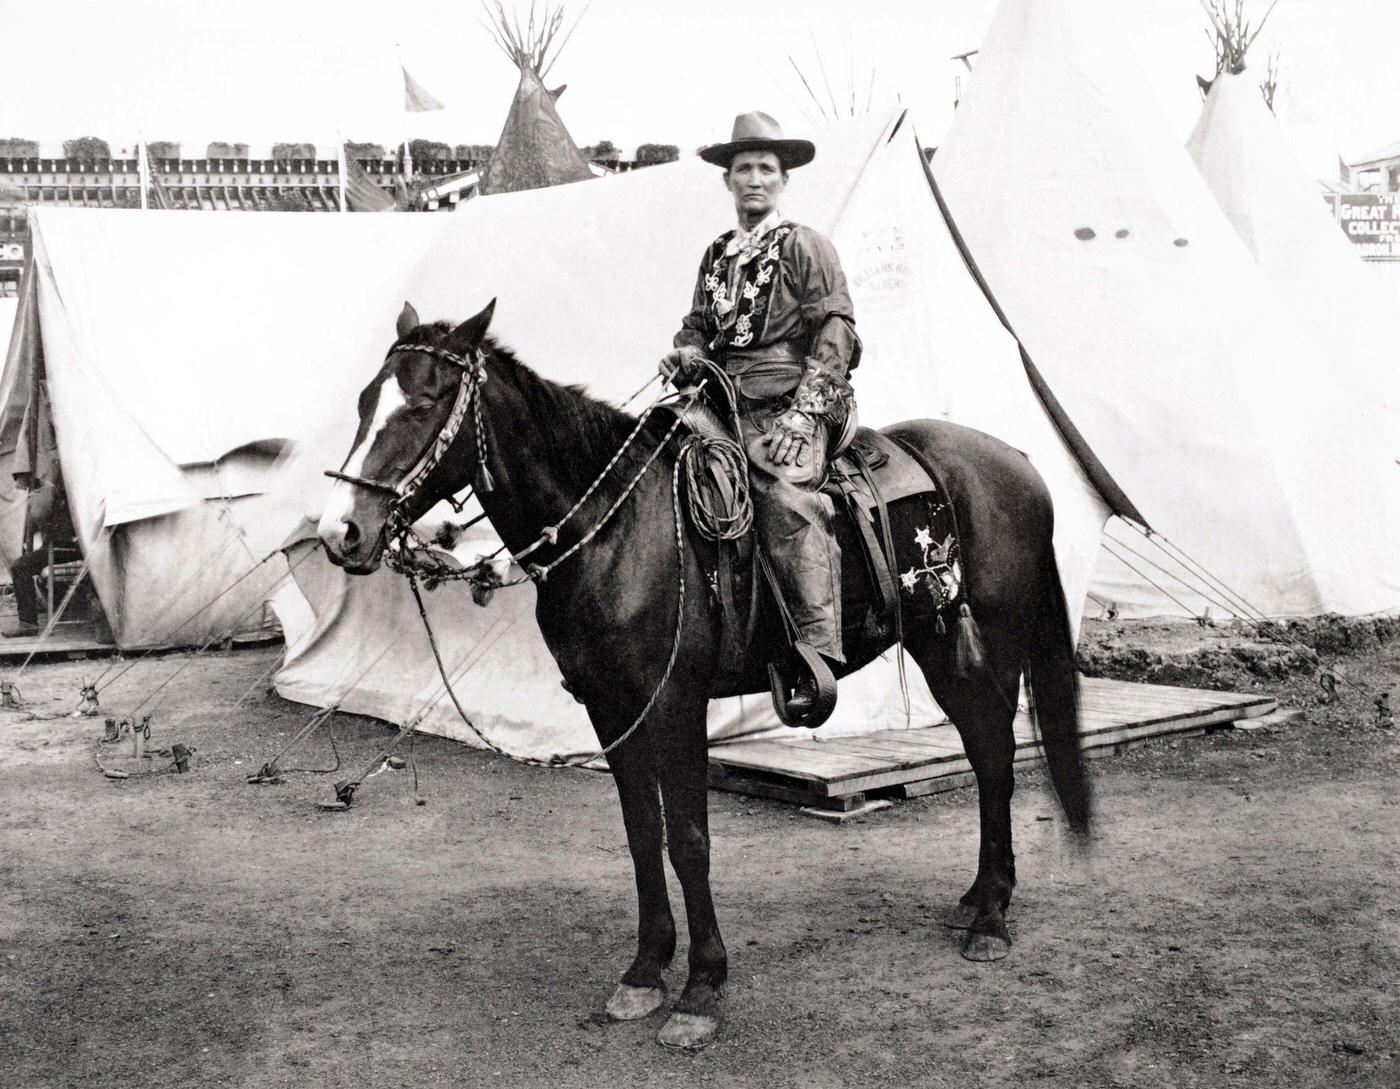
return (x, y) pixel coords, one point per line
(840, 773)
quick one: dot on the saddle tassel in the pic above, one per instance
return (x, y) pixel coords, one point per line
(488, 482)
(968, 655)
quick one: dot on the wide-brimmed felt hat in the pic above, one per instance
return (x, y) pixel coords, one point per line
(758, 132)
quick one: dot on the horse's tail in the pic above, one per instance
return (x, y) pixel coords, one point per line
(1055, 688)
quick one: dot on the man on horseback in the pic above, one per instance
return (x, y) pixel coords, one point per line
(771, 307)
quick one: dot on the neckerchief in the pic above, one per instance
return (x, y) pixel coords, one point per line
(745, 245)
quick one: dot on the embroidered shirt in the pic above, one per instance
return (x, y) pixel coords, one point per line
(790, 290)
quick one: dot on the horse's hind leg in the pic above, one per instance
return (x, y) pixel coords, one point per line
(983, 708)
(643, 989)
(684, 765)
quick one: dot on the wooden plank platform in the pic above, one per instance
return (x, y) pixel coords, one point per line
(75, 640)
(839, 772)
(79, 641)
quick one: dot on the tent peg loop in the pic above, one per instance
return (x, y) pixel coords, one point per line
(88, 704)
(269, 773)
(344, 796)
(1327, 681)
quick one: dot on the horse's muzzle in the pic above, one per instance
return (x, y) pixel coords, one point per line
(349, 549)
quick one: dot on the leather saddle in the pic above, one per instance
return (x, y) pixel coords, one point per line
(899, 560)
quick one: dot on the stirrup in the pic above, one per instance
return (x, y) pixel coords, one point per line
(811, 663)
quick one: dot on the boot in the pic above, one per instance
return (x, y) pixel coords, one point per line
(814, 693)
(803, 698)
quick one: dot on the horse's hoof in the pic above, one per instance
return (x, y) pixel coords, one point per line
(961, 917)
(985, 947)
(688, 1031)
(634, 1003)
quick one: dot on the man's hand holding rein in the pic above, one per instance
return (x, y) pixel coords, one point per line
(682, 366)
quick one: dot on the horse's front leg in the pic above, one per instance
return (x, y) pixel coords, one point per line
(683, 764)
(643, 989)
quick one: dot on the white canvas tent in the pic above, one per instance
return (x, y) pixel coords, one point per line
(171, 403)
(11, 509)
(1159, 332)
(1279, 214)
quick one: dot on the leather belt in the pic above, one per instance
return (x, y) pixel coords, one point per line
(783, 352)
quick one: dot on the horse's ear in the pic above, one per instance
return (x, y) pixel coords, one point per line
(408, 319)
(468, 336)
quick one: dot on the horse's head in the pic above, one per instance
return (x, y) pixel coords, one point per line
(403, 411)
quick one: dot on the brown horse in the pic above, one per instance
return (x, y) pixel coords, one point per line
(451, 406)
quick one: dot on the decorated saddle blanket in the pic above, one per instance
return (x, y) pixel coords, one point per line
(898, 536)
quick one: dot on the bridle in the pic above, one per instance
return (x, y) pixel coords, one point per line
(473, 379)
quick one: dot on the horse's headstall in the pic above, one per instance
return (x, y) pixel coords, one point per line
(473, 376)
(475, 364)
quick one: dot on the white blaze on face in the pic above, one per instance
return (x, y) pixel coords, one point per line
(341, 502)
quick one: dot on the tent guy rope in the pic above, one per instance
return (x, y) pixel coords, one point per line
(1215, 592)
(345, 790)
(217, 637)
(169, 635)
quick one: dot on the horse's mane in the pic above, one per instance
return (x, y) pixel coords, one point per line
(586, 432)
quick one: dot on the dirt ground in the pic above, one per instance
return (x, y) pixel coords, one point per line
(1236, 921)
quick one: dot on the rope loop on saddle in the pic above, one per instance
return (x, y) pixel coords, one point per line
(716, 465)
(717, 487)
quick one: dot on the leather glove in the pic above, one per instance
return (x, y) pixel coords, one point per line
(790, 441)
(681, 366)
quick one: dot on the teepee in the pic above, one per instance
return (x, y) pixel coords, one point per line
(1159, 333)
(1279, 215)
(535, 149)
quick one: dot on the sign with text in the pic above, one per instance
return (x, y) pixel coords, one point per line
(14, 253)
(1371, 221)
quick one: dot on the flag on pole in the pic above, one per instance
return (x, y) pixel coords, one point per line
(361, 192)
(416, 98)
(153, 191)
(342, 166)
